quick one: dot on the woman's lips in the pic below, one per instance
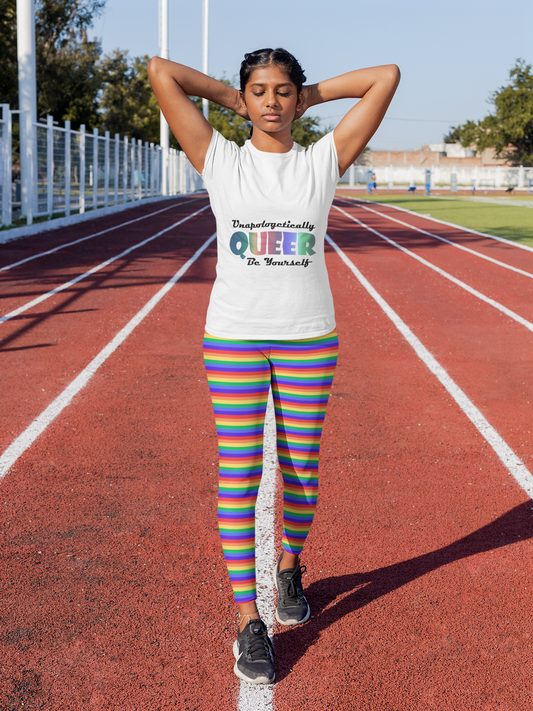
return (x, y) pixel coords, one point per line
(271, 117)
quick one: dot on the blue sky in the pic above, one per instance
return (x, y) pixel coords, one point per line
(452, 54)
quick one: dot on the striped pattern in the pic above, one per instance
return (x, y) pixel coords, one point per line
(240, 374)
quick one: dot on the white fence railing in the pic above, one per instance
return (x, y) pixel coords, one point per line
(497, 177)
(75, 171)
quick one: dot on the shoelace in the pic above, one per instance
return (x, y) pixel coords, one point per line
(259, 644)
(296, 577)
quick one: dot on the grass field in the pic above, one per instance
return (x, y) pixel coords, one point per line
(512, 222)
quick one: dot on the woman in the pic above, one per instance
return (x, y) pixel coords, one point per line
(270, 321)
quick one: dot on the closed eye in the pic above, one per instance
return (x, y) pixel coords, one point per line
(281, 93)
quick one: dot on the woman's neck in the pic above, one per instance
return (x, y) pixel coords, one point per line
(279, 142)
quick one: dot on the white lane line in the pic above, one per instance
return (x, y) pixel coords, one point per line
(39, 425)
(256, 697)
(442, 222)
(94, 234)
(443, 239)
(66, 285)
(512, 314)
(511, 461)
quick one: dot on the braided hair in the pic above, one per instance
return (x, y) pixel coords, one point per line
(265, 57)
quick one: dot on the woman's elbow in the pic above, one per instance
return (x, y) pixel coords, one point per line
(393, 74)
(153, 66)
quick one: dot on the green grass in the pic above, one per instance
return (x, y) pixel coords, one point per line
(513, 222)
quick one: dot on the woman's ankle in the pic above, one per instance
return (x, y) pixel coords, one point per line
(289, 561)
(244, 619)
(247, 611)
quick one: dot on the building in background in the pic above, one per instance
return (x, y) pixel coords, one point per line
(434, 154)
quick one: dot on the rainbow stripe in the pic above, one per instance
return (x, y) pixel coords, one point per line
(240, 373)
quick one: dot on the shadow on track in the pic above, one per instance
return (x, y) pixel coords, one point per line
(363, 588)
(117, 277)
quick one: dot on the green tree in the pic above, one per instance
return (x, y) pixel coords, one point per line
(127, 103)
(509, 128)
(305, 130)
(227, 122)
(69, 80)
(68, 77)
(68, 74)
(8, 53)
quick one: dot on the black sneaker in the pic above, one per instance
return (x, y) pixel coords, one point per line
(254, 654)
(293, 608)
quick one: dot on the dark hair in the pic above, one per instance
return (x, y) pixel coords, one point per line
(265, 57)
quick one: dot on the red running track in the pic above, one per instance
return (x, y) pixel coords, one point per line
(114, 590)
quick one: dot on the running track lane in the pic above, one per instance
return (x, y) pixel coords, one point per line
(33, 247)
(451, 226)
(513, 253)
(72, 326)
(423, 610)
(484, 351)
(491, 279)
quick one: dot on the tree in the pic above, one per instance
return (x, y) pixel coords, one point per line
(68, 74)
(305, 130)
(509, 128)
(225, 121)
(8, 53)
(68, 77)
(127, 103)
(69, 80)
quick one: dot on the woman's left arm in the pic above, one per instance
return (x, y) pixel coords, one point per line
(375, 87)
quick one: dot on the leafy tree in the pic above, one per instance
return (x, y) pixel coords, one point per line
(509, 128)
(227, 122)
(8, 53)
(127, 103)
(68, 75)
(68, 78)
(305, 130)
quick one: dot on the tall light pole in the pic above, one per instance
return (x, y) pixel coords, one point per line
(163, 130)
(205, 63)
(27, 100)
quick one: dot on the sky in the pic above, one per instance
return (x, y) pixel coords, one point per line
(452, 54)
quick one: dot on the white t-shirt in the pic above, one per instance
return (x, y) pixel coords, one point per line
(271, 212)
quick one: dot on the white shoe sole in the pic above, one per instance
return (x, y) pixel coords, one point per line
(260, 680)
(289, 623)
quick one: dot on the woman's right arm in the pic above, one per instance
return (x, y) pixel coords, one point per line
(173, 84)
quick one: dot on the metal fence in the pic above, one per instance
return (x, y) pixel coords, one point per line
(76, 171)
(488, 178)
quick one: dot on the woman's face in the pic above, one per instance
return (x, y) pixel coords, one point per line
(271, 99)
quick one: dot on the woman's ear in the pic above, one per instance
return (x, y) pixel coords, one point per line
(241, 108)
(300, 106)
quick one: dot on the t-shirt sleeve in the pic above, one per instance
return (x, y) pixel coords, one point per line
(218, 154)
(325, 151)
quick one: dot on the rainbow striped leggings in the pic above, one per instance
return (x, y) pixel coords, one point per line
(240, 374)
